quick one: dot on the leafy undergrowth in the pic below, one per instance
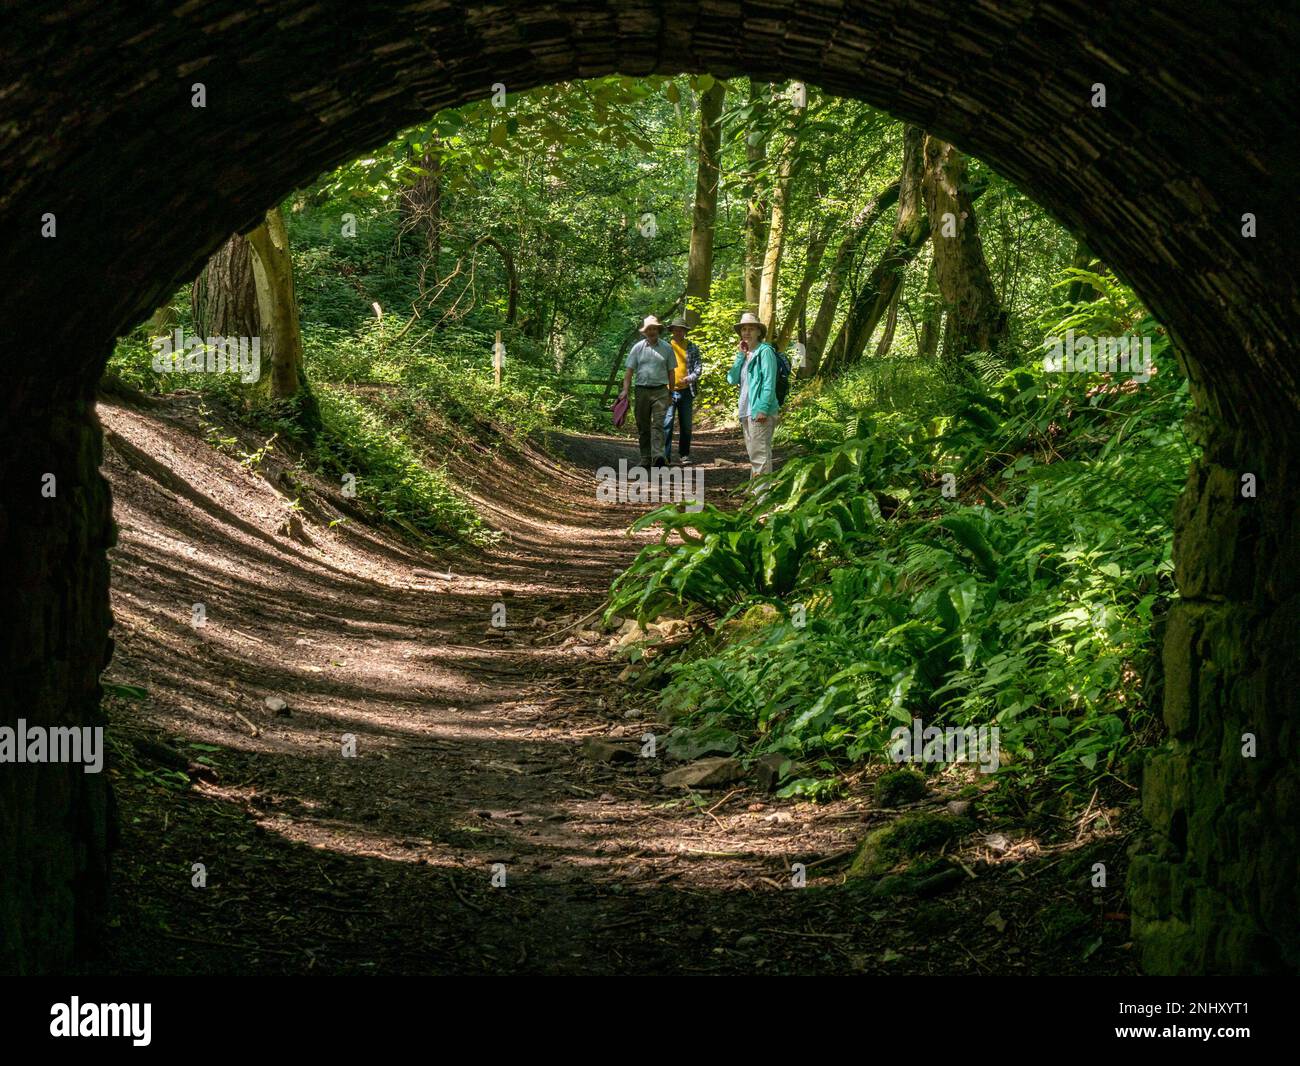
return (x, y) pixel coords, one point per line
(1000, 569)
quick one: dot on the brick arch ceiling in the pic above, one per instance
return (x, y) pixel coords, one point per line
(96, 126)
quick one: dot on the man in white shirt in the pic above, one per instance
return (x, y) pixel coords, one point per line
(652, 363)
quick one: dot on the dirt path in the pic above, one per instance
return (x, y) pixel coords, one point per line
(469, 764)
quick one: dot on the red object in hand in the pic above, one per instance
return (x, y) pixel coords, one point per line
(620, 411)
(744, 347)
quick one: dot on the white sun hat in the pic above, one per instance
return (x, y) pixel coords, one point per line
(751, 319)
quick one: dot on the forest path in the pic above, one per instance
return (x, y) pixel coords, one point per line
(469, 758)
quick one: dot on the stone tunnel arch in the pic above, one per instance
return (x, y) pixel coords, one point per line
(97, 129)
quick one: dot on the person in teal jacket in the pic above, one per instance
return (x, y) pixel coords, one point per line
(755, 372)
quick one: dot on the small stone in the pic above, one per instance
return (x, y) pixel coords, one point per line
(630, 633)
(770, 769)
(997, 843)
(940, 882)
(634, 712)
(747, 941)
(275, 704)
(959, 808)
(599, 750)
(670, 631)
(707, 773)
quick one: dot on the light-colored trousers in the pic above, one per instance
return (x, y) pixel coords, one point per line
(758, 442)
(652, 403)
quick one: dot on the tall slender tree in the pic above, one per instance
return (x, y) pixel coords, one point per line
(910, 232)
(699, 266)
(818, 237)
(769, 280)
(891, 324)
(859, 226)
(1079, 291)
(932, 320)
(756, 205)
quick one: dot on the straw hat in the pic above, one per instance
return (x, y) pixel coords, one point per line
(650, 320)
(751, 319)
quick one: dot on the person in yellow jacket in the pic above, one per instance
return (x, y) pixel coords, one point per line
(689, 368)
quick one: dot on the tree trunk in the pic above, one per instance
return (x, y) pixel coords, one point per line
(976, 322)
(756, 202)
(273, 270)
(163, 321)
(770, 278)
(882, 287)
(872, 302)
(421, 206)
(932, 325)
(817, 241)
(223, 299)
(1080, 291)
(699, 266)
(858, 227)
(891, 324)
(512, 277)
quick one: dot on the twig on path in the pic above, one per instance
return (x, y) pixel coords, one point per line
(715, 854)
(814, 936)
(1083, 822)
(829, 858)
(251, 728)
(571, 625)
(1042, 869)
(460, 896)
(973, 958)
(619, 924)
(733, 792)
(715, 818)
(229, 944)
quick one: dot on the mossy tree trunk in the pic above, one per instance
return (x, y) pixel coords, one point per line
(278, 307)
(976, 322)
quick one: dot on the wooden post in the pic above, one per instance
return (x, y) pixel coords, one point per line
(497, 353)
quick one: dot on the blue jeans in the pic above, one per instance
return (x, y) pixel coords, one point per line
(680, 410)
